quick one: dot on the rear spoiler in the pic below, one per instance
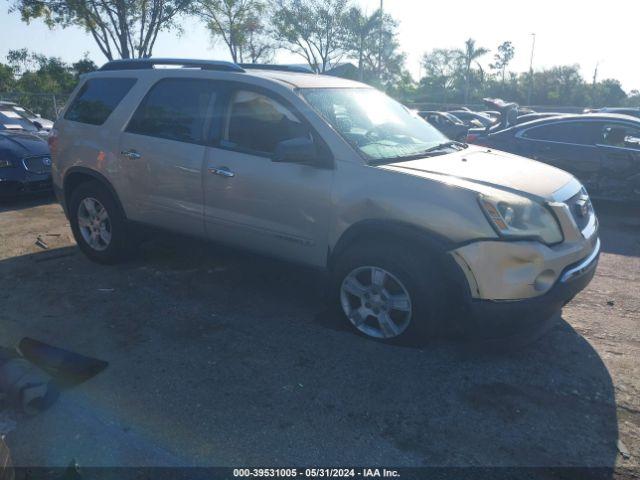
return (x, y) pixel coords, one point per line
(508, 111)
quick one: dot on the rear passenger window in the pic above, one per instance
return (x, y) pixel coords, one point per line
(175, 109)
(97, 98)
(258, 123)
(580, 133)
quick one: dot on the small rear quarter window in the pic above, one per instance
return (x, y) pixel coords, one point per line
(97, 98)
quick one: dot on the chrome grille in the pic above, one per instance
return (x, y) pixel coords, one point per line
(581, 209)
(37, 164)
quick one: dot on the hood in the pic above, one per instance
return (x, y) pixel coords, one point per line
(489, 168)
(20, 144)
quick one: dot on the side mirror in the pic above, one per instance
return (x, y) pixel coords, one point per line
(38, 125)
(296, 150)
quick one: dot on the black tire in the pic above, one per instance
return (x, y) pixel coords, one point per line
(419, 273)
(120, 246)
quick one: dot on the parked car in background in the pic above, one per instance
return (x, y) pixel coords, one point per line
(634, 112)
(472, 119)
(600, 149)
(25, 163)
(446, 123)
(417, 232)
(529, 117)
(14, 117)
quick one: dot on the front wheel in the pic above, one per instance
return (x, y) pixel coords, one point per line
(389, 294)
(98, 225)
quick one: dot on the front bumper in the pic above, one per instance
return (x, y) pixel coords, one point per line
(531, 316)
(24, 185)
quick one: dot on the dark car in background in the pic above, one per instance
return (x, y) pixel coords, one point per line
(448, 124)
(634, 112)
(601, 149)
(473, 119)
(530, 117)
(25, 163)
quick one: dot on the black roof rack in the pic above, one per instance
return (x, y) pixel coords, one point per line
(273, 66)
(148, 63)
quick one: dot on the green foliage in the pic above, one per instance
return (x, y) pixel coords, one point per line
(33, 79)
(501, 60)
(313, 29)
(239, 23)
(449, 77)
(120, 28)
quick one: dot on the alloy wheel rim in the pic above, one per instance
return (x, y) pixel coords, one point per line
(94, 224)
(376, 302)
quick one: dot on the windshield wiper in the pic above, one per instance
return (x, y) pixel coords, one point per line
(450, 143)
(421, 154)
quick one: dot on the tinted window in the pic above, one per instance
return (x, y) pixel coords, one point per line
(583, 133)
(620, 135)
(258, 123)
(97, 98)
(175, 109)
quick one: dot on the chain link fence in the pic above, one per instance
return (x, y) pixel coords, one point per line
(48, 105)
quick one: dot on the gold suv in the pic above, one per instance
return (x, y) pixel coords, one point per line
(417, 232)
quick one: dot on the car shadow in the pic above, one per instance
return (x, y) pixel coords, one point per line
(217, 355)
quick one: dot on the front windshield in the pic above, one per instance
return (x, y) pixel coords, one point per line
(377, 126)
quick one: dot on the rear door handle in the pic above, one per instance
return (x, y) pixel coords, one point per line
(131, 154)
(222, 171)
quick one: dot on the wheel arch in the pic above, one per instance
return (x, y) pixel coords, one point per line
(76, 176)
(436, 245)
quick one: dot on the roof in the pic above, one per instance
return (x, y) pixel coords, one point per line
(307, 80)
(580, 116)
(293, 79)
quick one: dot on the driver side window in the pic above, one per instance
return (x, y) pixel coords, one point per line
(257, 123)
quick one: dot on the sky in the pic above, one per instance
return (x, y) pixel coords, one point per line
(567, 32)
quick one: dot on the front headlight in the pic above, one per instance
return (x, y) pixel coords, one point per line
(514, 216)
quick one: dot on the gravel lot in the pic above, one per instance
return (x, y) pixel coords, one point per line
(222, 358)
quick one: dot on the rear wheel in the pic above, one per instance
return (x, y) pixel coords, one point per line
(389, 294)
(98, 224)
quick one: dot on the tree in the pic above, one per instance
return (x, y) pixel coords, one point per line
(7, 79)
(441, 66)
(359, 28)
(313, 29)
(469, 56)
(238, 23)
(607, 92)
(120, 28)
(505, 54)
(383, 60)
(260, 47)
(84, 65)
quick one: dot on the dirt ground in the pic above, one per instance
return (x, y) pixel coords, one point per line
(222, 358)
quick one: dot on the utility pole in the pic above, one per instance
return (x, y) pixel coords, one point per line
(533, 47)
(380, 41)
(595, 74)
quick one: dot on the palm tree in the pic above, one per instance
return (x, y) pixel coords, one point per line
(469, 56)
(359, 27)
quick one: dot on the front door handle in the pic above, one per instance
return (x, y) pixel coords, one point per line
(131, 154)
(222, 171)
